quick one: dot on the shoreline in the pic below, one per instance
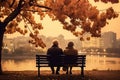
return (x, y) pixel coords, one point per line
(46, 75)
(22, 57)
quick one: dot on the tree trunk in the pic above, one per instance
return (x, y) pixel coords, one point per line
(2, 30)
(1, 41)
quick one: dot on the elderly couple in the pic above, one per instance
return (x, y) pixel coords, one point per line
(55, 51)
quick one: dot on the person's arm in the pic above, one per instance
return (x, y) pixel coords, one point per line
(76, 52)
(48, 52)
(61, 52)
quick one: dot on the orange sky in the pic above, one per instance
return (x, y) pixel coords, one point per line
(54, 28)
(114, 24)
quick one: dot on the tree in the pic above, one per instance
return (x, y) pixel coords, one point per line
(79, 12)
(12, 12)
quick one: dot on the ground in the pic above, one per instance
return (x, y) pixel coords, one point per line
(46, 75)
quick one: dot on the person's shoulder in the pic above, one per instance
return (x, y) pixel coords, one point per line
(76, 50)
(66, 50)
(59, 48)
(56, 48)
(50, 48)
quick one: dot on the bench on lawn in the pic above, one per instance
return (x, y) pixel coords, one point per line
(42, 61)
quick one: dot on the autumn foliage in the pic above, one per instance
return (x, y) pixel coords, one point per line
(81, 14)
(72, 14)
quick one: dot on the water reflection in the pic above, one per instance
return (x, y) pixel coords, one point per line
(18, 65)
(102, 63)
(93, 62)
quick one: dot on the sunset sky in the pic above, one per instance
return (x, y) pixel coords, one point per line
(114, 24)
(54, 28)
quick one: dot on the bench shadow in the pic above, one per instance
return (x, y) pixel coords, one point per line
(45, 75)
(62, 77)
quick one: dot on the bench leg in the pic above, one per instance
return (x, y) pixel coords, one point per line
(38, 71)
(82, 71)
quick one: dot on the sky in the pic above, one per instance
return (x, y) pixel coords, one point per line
(114, 24)
(54, 28)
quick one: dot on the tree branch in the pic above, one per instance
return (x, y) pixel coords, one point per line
(24, 17)
(36, 10)
(12, 3)
(31, 3)
(14, 13)
(43, 7)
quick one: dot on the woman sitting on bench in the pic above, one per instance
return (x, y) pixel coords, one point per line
(70, 57)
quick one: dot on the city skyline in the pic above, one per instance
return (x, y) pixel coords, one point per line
(107, 40)
(67, 38)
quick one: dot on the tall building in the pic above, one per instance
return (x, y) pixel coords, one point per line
(93, 42)
(109, 40)
(118, 43)
(8, 43)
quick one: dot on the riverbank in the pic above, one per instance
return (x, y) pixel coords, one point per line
(46, 75)
(33, 55)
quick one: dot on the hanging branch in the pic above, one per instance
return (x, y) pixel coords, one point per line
(12, 3)
(26, 23)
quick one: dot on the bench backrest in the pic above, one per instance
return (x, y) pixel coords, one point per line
(43, 60)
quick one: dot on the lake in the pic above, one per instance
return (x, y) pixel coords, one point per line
(93, 62)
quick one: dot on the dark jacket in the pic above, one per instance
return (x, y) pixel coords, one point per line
(70, 56)
(54, 52)
(70, 51)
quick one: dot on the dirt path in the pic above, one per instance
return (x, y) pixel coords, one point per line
(46, 75)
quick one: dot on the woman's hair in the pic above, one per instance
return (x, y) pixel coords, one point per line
(70, 44)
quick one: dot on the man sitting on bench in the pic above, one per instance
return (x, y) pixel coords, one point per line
(54, 60)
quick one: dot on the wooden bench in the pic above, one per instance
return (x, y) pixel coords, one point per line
(42, 61)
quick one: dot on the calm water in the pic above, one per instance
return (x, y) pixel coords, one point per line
(93, 62)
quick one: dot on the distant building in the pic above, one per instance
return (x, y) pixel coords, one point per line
(108, 40)
(21, 41)
(118, 43)
(15, 43)
(8, 44)
(93, 42)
